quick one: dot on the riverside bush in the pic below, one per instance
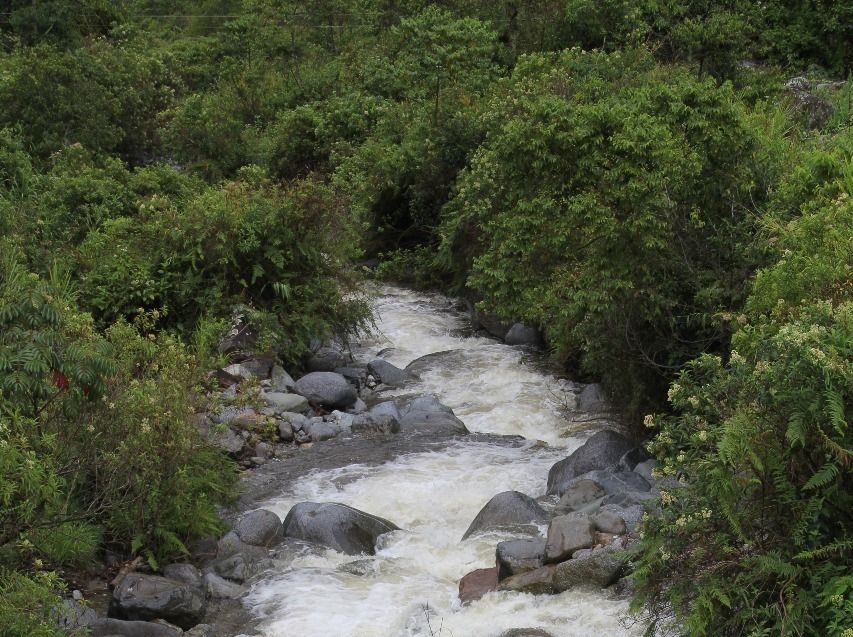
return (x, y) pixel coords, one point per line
(588, 208)
(281, 251)
(758, 541)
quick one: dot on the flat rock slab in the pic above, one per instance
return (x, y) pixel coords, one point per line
(507, 509)
(477, 583)
(337, 526)
(141, 597)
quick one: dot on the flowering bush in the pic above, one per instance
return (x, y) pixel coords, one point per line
(758, 538)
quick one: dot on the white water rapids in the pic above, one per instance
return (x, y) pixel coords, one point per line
(410, 586)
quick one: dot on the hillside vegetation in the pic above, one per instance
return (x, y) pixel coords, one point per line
(641, 180)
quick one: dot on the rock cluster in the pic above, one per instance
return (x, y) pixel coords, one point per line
(603, 488)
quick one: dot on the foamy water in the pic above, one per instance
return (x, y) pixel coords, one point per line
(409, 588)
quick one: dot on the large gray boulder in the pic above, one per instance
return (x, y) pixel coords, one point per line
(507, 509)
(337, 526)
(328, 389)
(259, 528)
(567, 534)
(519, 556)
(601, 451)
(389, 374)
(589, 567)
(427, 413)
(521, 334)
(141, 597)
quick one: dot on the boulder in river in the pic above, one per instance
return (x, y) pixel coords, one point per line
(581, 493)
(507, 509)
(259, 528)
(526, 632)
(387, 408)
(603, 450)
(389, 374)
(141, 597)
(519, 556)
(427, 413)
(477, 583)
(337, 526)
(521, 334)
(328, 389)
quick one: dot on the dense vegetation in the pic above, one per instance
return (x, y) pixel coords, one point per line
(632, 177)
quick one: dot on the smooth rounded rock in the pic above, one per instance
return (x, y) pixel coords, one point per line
(328, 389)
(389, 374)
(609, 521)
(259, 528)
(507, 509)
(602, 451)
(337, 526)
(521, 334)
(327, 359)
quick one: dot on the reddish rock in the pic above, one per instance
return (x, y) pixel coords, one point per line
(477, 583)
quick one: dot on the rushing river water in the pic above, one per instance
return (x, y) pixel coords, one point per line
(409, 588)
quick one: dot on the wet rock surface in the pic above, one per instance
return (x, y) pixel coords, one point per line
(336, 526)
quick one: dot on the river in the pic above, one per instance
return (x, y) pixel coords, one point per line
(409, 588)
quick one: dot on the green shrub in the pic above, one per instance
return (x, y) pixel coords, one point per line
(245, 243)
(28, 604)
(607, 205)
(759, 540)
